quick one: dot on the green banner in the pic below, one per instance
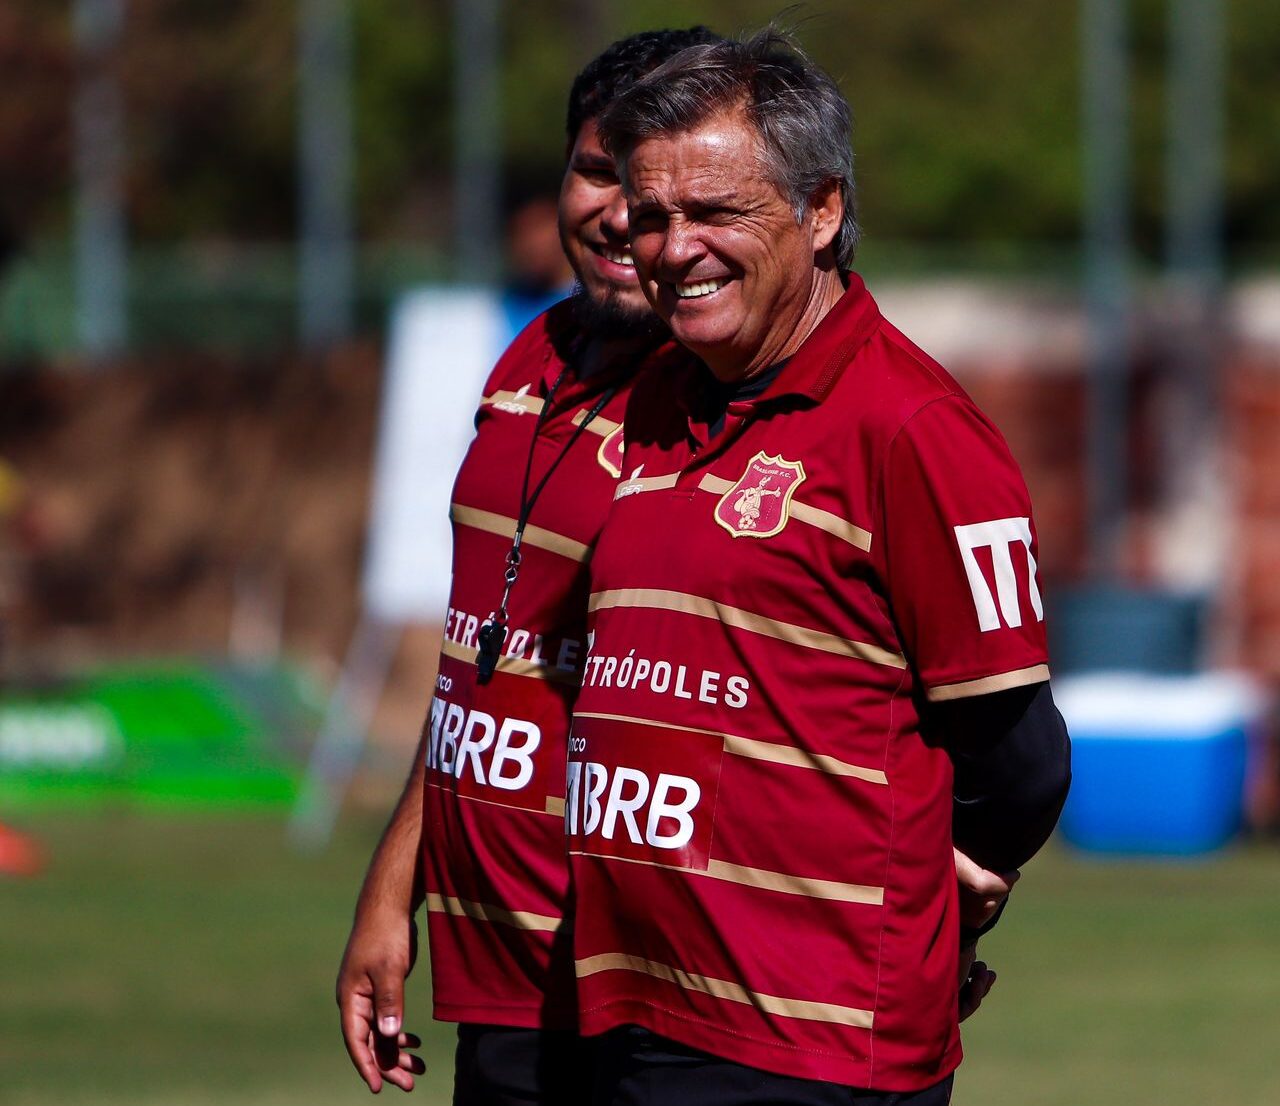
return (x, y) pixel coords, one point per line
(161, 734)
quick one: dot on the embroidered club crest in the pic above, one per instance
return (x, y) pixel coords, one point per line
(759, 504)
(610, 453)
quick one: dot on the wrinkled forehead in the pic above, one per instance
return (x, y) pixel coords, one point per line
(722, 154)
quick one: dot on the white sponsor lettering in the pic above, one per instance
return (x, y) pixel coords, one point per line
(461, 628)
(472, 743)
(68, 736)
(659, 814)
(999, 535)
(661, 677)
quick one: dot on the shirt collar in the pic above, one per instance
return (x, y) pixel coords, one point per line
(814, 368)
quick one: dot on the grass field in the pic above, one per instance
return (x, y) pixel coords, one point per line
(184, 960)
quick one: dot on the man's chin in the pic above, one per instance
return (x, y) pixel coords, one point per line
(613, 316)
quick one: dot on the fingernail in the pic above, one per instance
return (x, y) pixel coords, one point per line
(388, 1026)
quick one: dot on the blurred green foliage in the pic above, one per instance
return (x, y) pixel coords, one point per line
(967, 115)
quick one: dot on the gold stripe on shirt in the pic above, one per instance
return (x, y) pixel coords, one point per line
(726, 989)
(804, 886)
(758, 750)
(647, 722)
(514, 666)
(645, 484)
(485, 912)
(1021, 677)
(555, 805)
(799, 758)
(697, 605)
(532, 404)
(802, 512)
(599, 425)
(505, 527)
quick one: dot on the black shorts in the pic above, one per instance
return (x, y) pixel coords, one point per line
(638, 1068)
(497, 1065)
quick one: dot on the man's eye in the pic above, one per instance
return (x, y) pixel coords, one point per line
(601, 177)
(647, 221)
(719, 216)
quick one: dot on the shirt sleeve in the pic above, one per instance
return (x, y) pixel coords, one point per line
(959, 554)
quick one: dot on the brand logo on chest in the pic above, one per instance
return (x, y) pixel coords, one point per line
(759, 504)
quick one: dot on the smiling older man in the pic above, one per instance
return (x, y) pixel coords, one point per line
(814, 612)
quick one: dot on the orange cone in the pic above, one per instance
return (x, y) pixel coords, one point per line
(19, 854)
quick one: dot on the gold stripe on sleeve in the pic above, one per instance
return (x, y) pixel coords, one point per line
(484, 912)
(514, 666)
(697, 605)
(726, 989)
(505, 527)
(1021, 677)
(802, 512)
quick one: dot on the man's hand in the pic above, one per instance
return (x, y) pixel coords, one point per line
(981, 892)
(380, 954)
(976, 979)
(981, 895)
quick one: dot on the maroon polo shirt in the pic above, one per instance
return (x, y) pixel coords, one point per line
(760, 826)
(493, 802)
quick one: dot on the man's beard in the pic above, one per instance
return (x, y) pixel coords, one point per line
(610, 318)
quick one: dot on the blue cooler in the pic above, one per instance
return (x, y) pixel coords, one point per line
(1158, 762)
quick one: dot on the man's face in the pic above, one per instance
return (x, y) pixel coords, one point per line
(719, 252)
(593, 231)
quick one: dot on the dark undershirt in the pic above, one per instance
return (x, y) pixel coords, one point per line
(719, 396)
(1012, 760)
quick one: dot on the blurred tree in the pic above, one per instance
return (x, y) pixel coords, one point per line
(967, 118)
(35, 116)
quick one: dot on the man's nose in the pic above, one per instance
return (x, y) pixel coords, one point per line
(681, 247)
(614, 218)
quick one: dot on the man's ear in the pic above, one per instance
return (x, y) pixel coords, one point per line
(826, 210)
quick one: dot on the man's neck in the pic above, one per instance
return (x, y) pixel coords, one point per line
(824, 293)
(599, 353)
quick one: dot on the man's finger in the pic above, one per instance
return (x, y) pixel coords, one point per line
(388, 1003)
(979, 880)
(409, 1062)
(355, 1035)
(385, 1052)
(398, 1077)
(975, 989)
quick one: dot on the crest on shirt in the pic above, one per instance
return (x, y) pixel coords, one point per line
(610, 453)
(759, 504)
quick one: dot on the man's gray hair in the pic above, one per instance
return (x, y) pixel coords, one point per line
(795, 106)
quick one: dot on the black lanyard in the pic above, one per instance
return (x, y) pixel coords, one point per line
(493, 634)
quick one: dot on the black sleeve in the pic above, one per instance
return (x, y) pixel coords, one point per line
(1012, 760)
